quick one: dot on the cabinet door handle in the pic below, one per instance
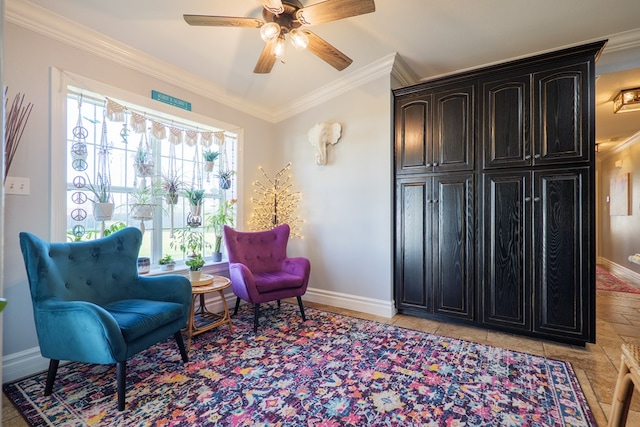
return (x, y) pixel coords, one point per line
(536, 199)
(537, 156)
(428, 165)
(435, 164)
(527, 157)
(435, 201)
(527, 199)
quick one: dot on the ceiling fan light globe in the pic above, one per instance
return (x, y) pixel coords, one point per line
(269, 32)
(299, 39)
(279, 48)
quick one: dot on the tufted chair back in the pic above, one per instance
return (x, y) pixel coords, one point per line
(90, 305)
(99, 271)
(262, 251)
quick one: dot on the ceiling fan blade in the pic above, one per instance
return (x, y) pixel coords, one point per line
(327, 52)
(273, 6)
(332, 10)
(223, 21)
(266, 60)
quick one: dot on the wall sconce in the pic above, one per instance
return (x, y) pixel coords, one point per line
(627, 100)
(618, 164)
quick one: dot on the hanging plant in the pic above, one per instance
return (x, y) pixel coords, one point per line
(210, 157)
(224, 179)
(171, 185)
(143, 163)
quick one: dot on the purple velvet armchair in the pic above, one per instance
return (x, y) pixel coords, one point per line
(260, 270)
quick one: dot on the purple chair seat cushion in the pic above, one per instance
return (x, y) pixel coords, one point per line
(276, 281)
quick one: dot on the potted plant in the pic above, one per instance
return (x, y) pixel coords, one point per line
(195, 268)
(144, 202)
(210, 157)
(195, 196)
(102, 200)
(216, 222)
(167, 263)
(189, 241)
(172, 185)
(143, 162)
(224, 179)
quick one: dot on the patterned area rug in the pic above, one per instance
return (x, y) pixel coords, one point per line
(331, 371)
(606, 281)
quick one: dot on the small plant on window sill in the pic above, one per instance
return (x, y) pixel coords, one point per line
(167, 263)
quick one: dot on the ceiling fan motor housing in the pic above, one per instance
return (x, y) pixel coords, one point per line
(287, 19)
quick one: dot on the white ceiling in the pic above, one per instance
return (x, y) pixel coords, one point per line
(433, 37)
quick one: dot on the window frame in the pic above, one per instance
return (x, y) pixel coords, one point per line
(59, 155)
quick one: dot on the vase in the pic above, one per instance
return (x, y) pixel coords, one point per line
(142, 211)
(195, 209)
(194, 276)
(144, 169)
(144, 265)
(172, 198)
(225, 182)
(217, 256)
(208, 166)
(102, 211)
(168, 267)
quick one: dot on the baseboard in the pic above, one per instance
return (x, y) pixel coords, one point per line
(23, 364)
(352, 302)
(29, 362)
(617, 269)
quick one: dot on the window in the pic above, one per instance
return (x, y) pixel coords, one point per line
(132, 151)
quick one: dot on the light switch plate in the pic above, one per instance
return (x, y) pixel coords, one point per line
(17, 185)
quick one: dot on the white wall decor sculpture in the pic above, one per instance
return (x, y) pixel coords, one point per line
(320, 136)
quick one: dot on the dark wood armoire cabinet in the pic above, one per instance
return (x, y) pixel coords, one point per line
(494, 196)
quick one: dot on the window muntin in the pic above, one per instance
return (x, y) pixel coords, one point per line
(122, 151)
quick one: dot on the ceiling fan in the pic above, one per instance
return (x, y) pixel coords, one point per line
(290, 18)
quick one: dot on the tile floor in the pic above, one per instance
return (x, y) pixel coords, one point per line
(596, 365)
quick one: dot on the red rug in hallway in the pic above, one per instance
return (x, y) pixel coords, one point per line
(606, 281)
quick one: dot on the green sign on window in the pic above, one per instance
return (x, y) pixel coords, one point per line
(171, 100)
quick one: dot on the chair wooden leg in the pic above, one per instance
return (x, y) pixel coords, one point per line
(180, 342)
(256, 316)
(51, 376)
(237, 306)
(304, 319)
(121, 377)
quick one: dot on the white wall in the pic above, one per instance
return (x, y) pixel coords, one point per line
(346, 204)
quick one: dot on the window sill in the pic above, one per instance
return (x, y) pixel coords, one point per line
(209, 268)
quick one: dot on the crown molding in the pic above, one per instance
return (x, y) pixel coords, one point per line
(403, 74)
(379, 68)
(57, 27)
(623, 41)
(42, 21)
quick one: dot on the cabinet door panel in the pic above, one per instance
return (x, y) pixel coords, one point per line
(507, 284)
(413, 237)
(562, 104)
(562, 273)
(454, 129)
(453, 230)
(505, 111)
(414, 153)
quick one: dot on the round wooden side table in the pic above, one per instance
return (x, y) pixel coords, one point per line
(203, 320)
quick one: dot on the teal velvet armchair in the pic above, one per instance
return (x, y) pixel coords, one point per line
(90, 305)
